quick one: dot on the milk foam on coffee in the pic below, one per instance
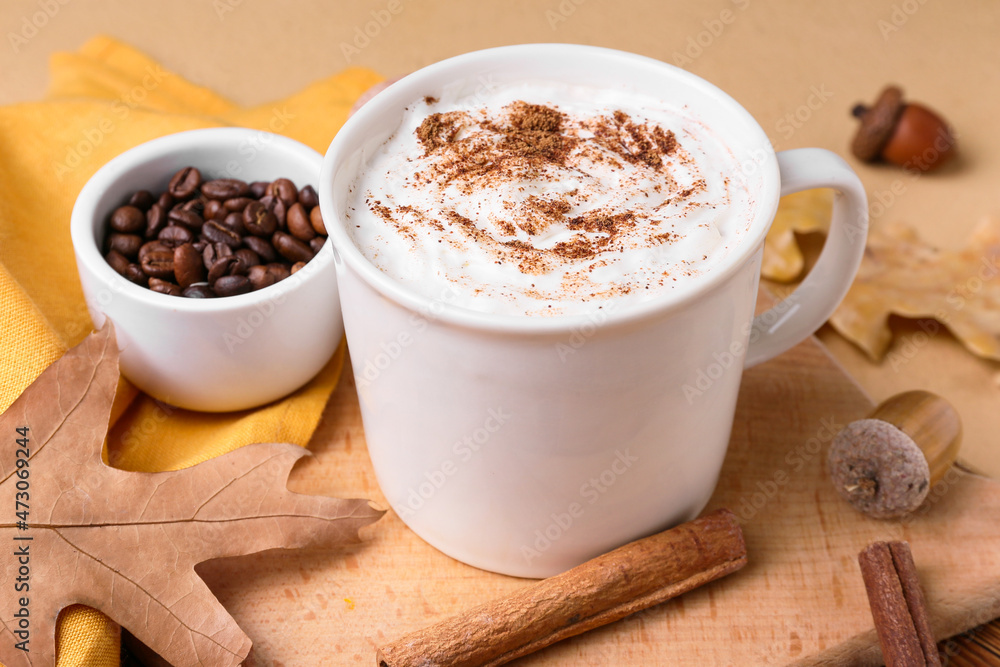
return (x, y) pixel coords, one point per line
(540, 199)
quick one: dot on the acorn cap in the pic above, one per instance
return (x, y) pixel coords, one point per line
(877, 124)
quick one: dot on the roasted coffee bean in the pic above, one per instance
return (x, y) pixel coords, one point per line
(234, 222)
(142, 200)
(214, 209)
(279, 271)
(263, 248)
(275, 206)
(175, 235)
(224, 188)
(118, 261)
(308, 197)
(238, 267)
(216, 232)
(291, 248)
(213, 252)
(198, 291)
(298, 223)
(156, 220)
(164, 287)
(159, 264)
(126, 244)
(258, 220)
(221, 231)
(197, 205)
(184, 183)
(188, 219)
(188, 266)
(231, 285)
(260, 277)
(150, 246)
(247, 258)
(128, 220)
(135, 274)
(237, 203)
(316, 218)
(283, 189)
(258, 189)
(223, 266)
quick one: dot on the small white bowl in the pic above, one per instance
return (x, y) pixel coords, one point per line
(211, 355)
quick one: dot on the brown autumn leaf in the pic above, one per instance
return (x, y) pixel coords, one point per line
(802, 212)
(902, 275)
(127, 543)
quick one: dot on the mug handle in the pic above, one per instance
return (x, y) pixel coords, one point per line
(806, 309)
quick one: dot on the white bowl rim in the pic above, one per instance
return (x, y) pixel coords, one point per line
(82, 221)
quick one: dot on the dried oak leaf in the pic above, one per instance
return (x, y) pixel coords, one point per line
(901, 275)
(127, 543)
(802, 212)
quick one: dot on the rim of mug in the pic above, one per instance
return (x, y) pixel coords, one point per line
(84, 222)
(403, 92)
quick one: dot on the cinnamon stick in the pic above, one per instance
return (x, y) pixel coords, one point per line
(897, 605)
(604, 589)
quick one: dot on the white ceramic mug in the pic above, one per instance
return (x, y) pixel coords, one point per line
(211, 355)
(527, 445)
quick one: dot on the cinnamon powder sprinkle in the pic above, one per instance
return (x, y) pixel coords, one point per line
(550, 208)
(381, 211)
(534, 129)
(438, 130)
(526, 143)
(602, 223)
(578, 248)
(633, 142)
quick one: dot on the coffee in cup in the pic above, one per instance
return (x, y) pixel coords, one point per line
(535, 199)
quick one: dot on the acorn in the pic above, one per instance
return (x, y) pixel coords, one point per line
(905, 134)
(886, 464)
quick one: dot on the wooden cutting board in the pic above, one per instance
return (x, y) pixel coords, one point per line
(801, 597)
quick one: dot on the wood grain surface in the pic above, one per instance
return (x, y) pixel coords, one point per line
(801, 598)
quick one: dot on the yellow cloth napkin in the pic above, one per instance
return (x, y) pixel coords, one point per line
(104, 100)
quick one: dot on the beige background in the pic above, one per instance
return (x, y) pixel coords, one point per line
(776, 58)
